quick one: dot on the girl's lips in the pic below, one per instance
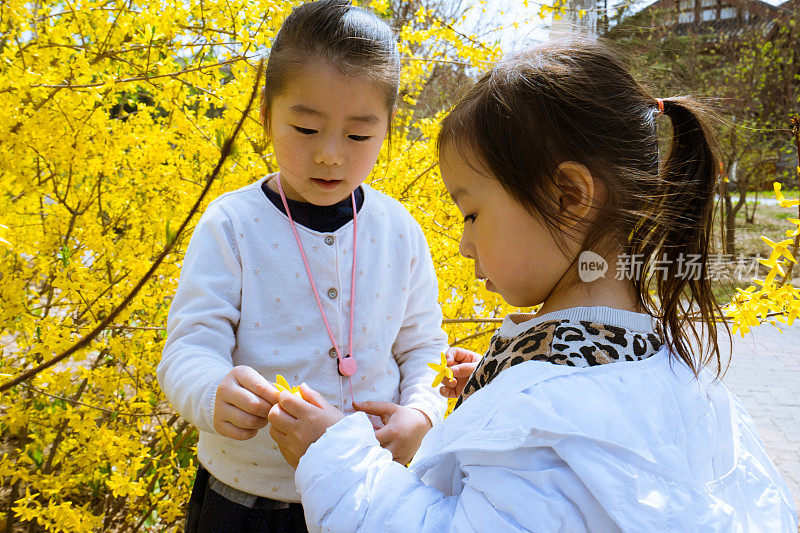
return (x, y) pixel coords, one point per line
(326, 184)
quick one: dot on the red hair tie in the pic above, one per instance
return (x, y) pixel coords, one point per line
(660, 103)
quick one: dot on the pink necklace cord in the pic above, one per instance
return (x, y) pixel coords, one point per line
(314, 286)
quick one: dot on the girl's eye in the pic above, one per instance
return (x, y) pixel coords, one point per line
(305, 131)
(359, 138)
(470, 218)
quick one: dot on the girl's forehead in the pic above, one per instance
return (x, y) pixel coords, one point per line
(463, 175)
(462, 159)
(327, 90)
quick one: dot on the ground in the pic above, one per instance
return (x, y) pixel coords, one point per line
(765, 375)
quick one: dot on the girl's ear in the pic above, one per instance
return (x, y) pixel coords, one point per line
(576, 189)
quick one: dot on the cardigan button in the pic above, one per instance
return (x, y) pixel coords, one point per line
(332, 352)
(332, 293)
(329, 240)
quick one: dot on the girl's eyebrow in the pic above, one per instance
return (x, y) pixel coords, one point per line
(458, 192)
(301, 109)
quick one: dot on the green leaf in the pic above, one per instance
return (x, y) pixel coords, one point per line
(170, 235)
(37, 456)
(64, 254)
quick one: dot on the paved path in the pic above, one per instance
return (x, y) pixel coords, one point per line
(765, 375)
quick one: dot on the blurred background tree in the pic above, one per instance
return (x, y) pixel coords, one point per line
(741, 56)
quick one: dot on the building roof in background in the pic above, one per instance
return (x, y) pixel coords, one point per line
(727, 18)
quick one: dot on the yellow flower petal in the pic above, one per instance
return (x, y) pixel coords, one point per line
(281, 384)
(442, 371)
(777, 188)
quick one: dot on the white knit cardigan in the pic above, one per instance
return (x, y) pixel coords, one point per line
(244, 298)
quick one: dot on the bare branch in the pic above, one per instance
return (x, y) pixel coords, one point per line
(147, 77)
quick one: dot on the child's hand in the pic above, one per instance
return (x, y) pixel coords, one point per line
(462, 362)
(403, 430)
(296, 423)
(244, 398)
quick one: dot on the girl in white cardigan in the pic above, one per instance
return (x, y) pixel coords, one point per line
(597, 413)
(307, 273)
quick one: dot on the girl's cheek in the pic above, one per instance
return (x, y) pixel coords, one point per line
(287, 150)
(363, 162)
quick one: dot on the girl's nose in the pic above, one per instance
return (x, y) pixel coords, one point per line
(465, 247)
(329, 153)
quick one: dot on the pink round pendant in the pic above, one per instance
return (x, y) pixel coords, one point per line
(347, 366)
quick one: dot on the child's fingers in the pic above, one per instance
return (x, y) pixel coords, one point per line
(457, 355)
(246, 401)
(229, 430)
(385, 435)
(237, 417)
(281, 420)
(448, 388)
(381, 409)
(277, 435)
(251, 380)
(448, 392)
(313, 397)
(393, 448)
(294, 405)
(464, 370)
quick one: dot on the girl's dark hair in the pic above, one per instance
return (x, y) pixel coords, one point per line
(351, 39)
(577, 101)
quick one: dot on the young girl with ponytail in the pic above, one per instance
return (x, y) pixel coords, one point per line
(601, 412)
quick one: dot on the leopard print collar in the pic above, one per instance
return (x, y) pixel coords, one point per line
(562, 342)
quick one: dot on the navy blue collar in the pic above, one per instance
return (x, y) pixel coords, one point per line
(322, 218)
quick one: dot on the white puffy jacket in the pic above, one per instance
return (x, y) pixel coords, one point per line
(628, 446)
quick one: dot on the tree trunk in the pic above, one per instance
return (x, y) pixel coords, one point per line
(751, 216)
(730, 227)
(729, 210)
(723, 193)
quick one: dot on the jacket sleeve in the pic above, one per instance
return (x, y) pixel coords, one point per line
(421, 339)
(348, 482)
(202, 321)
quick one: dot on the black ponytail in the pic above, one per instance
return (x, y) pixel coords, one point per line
(677, 239)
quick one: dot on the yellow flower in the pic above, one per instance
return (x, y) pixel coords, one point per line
(442, 371)
(281, 384)
(782, 201)
(779, 248)
(794, 312)
(3, 232)
(796, 231)
(773, 262)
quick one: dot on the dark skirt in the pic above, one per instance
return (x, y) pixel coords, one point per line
(210, 512)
